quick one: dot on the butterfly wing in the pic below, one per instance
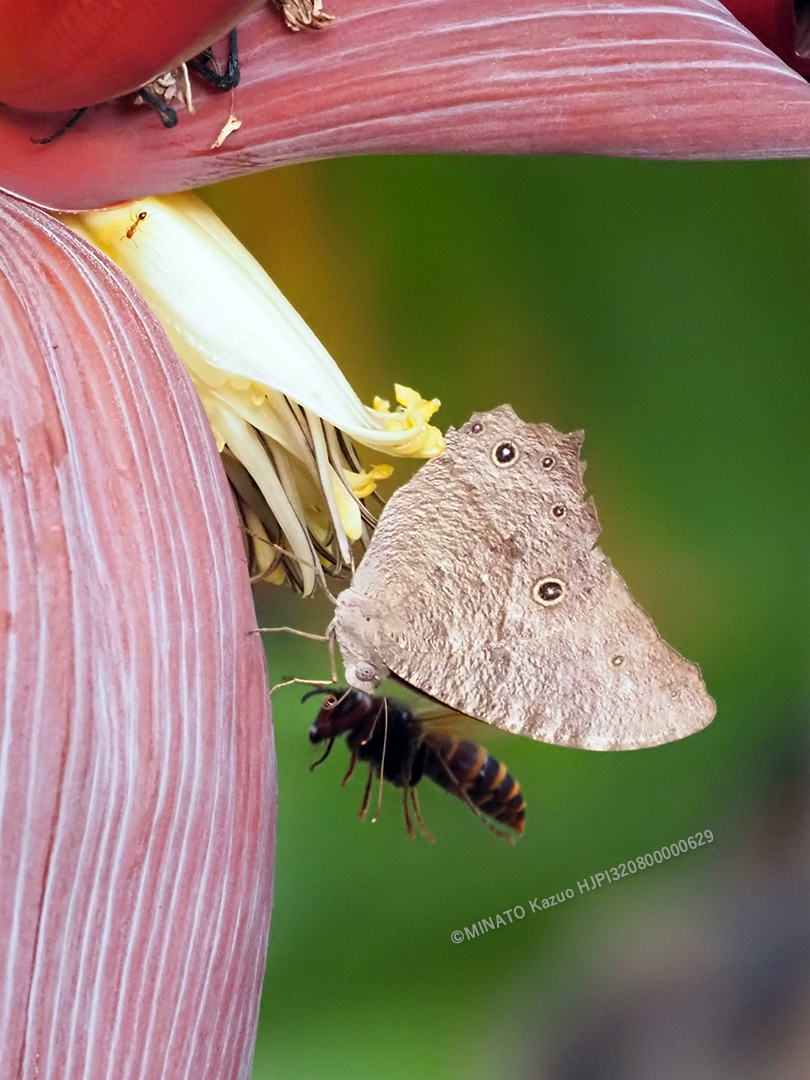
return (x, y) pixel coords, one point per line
(483, 588)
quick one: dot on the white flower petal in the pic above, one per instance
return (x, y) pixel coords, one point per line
(205, 286)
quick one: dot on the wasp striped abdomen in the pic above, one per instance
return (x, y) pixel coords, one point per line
(467, 770)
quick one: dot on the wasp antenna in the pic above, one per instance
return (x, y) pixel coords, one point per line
(312, 693)
(230, 79)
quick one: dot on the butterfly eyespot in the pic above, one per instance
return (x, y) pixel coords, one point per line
(617, 661)
(548, 591)
(505, 453)
(547, 462)
(477, 427)
(558, 510)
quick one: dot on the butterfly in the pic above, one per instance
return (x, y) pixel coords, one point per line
(484, 589)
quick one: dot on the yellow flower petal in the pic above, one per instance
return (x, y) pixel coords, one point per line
(363, 483)
(411, 419)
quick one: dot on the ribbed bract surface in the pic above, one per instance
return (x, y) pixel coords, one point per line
(137, 778)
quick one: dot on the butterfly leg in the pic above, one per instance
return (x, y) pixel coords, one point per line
(312, 637)
(367, 794)
(275, 547)
(428, 835)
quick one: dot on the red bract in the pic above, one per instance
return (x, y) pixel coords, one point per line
(137, 783)
(683, 79)
(779, 25)
(64, 54)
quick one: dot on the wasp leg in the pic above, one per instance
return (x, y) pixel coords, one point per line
(428, 835)
(349, 771)
(408, 822)
(367, 794)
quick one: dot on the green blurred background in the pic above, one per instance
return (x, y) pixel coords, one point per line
(662, 307)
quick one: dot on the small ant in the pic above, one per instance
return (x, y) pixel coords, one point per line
(136, 220)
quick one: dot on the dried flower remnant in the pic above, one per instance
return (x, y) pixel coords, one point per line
(171, 86)
(231, 124)
(284, 416)
(160, 91)
(304, 14)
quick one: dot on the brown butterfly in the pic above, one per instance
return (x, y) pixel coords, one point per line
(483, 588)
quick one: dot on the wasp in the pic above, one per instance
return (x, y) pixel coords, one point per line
(402, 747)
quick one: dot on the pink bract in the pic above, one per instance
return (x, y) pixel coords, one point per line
(680, 80)
(137, 779)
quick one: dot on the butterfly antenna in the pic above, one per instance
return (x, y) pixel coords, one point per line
(382, 760)
(377, 715)
(302, 682)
